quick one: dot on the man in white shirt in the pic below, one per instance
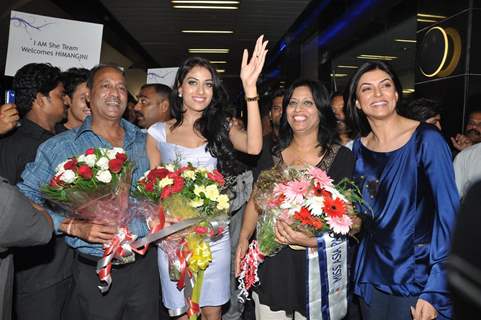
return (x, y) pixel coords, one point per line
(467, 168)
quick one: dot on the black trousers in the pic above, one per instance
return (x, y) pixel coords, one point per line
(48, 303)
(133, 295)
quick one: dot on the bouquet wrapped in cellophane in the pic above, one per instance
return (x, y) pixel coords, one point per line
(304, 197)
(95, 186)
(185, 194)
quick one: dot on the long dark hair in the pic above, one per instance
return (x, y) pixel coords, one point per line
(213, 125)
(326, 133)
(355, 118)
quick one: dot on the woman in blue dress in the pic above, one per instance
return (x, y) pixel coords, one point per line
(404, 170)
(204, 134)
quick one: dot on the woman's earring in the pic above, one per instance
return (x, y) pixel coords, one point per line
(180, 95)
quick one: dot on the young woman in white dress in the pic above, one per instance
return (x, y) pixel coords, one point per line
(203, 133)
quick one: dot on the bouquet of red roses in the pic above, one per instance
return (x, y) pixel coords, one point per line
(95, 186)
(304, 197)
(187, 194)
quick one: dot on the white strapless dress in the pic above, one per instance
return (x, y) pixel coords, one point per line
(215, 288)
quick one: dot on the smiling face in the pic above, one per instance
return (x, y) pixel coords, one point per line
(108, 96)
(78, 107)
(301, 112)
(197, 89)
(376, 95)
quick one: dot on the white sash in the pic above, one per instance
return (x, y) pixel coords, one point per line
(327, 280)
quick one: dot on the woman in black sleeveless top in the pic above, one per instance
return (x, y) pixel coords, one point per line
(307, 136)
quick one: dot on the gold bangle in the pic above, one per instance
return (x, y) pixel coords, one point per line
(249, 99)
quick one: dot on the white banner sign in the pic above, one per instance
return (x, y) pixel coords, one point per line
(162, 75)
(41, 39)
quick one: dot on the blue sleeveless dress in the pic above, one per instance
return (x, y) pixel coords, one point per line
(216, 285)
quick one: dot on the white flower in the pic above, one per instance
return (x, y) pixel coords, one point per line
(60, 167)
(111, 154)
(68, 176)
(170, 167)
(190, 174)
(104, 176)
(90, 160)
(198, 190)
(197, 202)
(103, 163)
(316, 205)
(223, 202)
(165, 182)
(212, 192)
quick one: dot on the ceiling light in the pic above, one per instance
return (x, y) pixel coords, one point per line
(376, 57)
(405, 40)
(220, 70)
(434, 16)
(205, 2)
(408, 91)
(347, 67)
(426, 20)
(206, 7)
(208, 50)
(339, 75)
(207, 31)
(218, 62)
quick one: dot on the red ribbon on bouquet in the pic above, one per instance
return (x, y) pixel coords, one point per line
(183, 253)
(248, 276)
(119, 248)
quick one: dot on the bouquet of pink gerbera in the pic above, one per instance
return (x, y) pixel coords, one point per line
(304, 197)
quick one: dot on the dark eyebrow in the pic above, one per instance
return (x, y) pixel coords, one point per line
(367, 83)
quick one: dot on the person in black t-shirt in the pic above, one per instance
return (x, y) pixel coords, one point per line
(43, 273)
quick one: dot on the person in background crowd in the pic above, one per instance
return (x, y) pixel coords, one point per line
(264, 160)
(464, 263)
(134, 294)
(43, 273)
(129, 113)
(467, 168)
(306, 137)
(39, 100)
(20, 225)
(423, 110)
(404, 171)
(152, 105)
(75, 84)
(204, 134)
(8, 118)
(472, 132)
(346, 135)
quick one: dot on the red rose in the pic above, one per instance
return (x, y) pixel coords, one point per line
(178, 183)
(149, 187)
(115, 165)
(90, 151)
(85, 172)
(121, 156)
(71, 165)
(166, 192)
(158, 173)
(56, 182)
(216, 176)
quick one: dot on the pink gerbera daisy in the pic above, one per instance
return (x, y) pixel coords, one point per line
(320, 176)
(295, 190)
(340, 225)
